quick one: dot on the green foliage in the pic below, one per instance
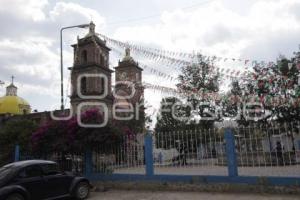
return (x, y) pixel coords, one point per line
(275, 87)
(166, 120)
(198, 80)
(137, 123)
(199, 77)
(13, 132)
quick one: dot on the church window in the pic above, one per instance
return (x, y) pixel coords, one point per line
(102, 85)
(84, 56)
(83, 85)
(101, 60)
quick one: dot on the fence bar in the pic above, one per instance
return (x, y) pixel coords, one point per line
(149, 154)
(230, 153)
(88, 161)
(17, 153)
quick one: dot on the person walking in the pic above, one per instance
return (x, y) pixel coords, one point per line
(279, 153)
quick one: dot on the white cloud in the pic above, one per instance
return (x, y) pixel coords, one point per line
(265, 30)
(31, 9)
(216, 30)
(33, 56)
(72, 13)
(32, 53)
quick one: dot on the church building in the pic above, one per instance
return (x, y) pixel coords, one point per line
(91, 77)
(91, 83)
(12, 104)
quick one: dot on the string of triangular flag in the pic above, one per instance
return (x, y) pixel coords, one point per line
(223, 73)
(174, 57)
(266, 100)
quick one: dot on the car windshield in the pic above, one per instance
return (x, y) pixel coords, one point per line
(5, 171)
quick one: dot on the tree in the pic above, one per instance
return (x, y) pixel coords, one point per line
(232, 103)
(274, 86)
(173, 124)
(138, 121)
(289, 108)
(15, 132)
(200, 82)
(170, 109)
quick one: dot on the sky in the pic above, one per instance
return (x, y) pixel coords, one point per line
(29, 36)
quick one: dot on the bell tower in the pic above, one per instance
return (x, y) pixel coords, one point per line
(90, 74)
(129, 72)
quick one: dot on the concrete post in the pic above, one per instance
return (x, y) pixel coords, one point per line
(231, 153)
(149, 154)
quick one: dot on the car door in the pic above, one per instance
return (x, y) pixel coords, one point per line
(57, 182)
(31, 179)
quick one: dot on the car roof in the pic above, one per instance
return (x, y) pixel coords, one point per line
(28, 163)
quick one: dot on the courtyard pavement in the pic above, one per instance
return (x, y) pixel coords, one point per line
(286, 171)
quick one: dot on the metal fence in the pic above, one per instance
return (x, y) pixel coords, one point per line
(192, 152)
(67, 161)
(124, 157)
(270, 150)
(242, 153)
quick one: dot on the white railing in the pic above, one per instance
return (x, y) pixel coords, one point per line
(203, 152)
(268, 150)
(190, 152)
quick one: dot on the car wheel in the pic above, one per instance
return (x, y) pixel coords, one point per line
(15, 197)
(82, 190)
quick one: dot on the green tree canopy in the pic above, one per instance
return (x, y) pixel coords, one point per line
(275, 86)
(198, 80)
(15, 132)
(166, 121)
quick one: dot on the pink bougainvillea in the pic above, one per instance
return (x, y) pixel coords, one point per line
(64, 135)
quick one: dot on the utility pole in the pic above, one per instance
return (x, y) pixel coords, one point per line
(61, 60)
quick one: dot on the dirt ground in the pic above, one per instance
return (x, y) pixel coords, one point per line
(165, 195)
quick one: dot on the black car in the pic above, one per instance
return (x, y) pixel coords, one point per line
(40, 179)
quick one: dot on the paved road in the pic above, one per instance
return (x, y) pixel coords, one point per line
(149, 195)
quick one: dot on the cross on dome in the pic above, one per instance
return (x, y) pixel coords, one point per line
(11, 90)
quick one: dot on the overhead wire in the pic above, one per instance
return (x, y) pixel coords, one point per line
(113, 23)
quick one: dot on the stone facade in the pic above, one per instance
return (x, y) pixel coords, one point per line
(91, 59)
(128, 76)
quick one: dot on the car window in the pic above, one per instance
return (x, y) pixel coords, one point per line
(31, 171)
(50, 169)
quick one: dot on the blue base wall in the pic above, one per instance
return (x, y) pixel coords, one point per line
(251, 180)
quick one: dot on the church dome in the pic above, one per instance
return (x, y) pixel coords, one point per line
(12, 104)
